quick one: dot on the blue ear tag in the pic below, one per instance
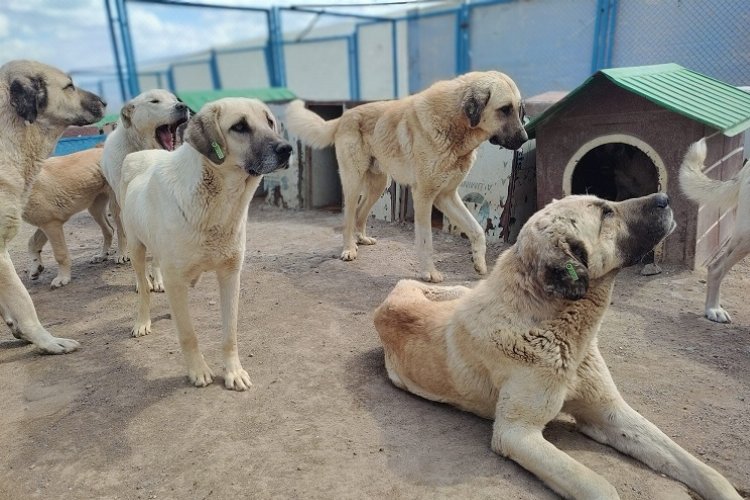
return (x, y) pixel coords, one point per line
(217, 150)
(571, 271)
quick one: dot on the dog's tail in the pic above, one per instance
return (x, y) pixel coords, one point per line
(702, 189)
(308, 126)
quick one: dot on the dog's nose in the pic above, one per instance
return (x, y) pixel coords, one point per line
(283, 150)
(180, 106)
(661, 200)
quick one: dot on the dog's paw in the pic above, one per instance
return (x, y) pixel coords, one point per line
(433, 276)
(56, 345)
(349, 254)
(35, 271)
(59, 281)
(480, 266)
(718, 314)
(237, 379)
(365, 240)
(201, 375)
(98, 258)
(156, 285)
(121, 259)
(141, 329)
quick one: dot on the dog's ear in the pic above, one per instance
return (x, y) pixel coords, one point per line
(565, 273)
(28, 96)
(474, 102)
(204, 134)
(126, 113)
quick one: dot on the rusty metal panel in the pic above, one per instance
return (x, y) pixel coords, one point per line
(387, 206)
(283, 186)
(522, 192)
(485, 190)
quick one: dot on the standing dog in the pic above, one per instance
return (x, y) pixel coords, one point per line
(37, 103)
(148, 121)
(189, 208)
(65, 186)
(724, 195)
(427, 141)
(521, 346)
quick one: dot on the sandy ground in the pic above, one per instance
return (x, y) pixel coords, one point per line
(117, 419)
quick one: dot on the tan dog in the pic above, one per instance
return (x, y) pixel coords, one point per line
(148, 121)
(725, 195)
(189, 208)
(65, 186)
(37, 103)
(427, 141)
(521, 346)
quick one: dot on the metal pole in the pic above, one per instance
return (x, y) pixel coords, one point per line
(214, 65)
(462, 39)
(276, 48)
(127, 43)
(115, 50)
(353, 53)
(394, 57)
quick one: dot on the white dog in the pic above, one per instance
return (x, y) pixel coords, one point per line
(37, 102)
(734, 192)
(189, 208)
(148, 121)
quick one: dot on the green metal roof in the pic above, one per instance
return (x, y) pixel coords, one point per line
(195, 99)
(696, 96)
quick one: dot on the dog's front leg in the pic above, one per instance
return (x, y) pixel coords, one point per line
(199, 373)
(235, 377)
(452, 206)
(423, 237)
(526, 403)
(603, 415)
(157, 280)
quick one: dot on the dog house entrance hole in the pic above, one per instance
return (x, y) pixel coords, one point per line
(615, 171)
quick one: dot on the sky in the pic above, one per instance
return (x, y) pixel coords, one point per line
(73, 34)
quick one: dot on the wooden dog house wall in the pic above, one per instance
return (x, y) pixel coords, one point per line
(604, 134)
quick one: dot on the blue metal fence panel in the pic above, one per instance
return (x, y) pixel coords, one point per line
(69, 145)
(709, 37)
(542, 44)
(432, 49)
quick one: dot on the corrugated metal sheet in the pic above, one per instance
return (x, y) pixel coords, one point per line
(197, 98)
(696, 96)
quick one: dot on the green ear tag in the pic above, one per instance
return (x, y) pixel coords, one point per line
(217, 150)
(571, 271)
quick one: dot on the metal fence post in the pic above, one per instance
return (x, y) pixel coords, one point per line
(394, 56)
(353, 62)
(604, 34)
(463, 55)
(214, 65)
(115, 50)
(276, 48)
(127, 44)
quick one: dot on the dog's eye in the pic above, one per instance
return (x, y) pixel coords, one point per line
(270, 122)
(607, 212)
(69, 86)
(506, 109)
(154, 101)
(240, 127)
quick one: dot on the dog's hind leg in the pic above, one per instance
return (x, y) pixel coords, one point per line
(18, 308)
(717, 270)
(351, 185)
(121, 255)
(98, 211)
(235, 377)
(199, 373)
(423, 237)
(157, 280)
(604, 416)
(56, 235)
(452, 206)
(36, 243)
(143, 316)
(375, 184)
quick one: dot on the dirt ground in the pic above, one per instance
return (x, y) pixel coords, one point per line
(117, 419)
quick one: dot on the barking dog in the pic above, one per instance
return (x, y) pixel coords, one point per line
(37, 103)
(427, 141)
(521, 346)
(189, 208)
(725, 195)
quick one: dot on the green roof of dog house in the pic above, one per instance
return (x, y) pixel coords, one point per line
(683, 91)
(197, 98)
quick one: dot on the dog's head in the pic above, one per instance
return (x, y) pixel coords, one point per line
(42, 94)
(155, 115)
(239, 132)
(492, 103)
(581, 238)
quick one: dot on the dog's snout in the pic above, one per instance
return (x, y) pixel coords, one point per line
(283, 150)
(661, 200)
(180, 106)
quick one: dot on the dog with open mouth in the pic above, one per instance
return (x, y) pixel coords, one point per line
(148, 121)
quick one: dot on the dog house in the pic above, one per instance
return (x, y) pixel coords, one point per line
(623, 133)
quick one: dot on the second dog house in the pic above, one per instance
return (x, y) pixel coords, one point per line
(624, 132)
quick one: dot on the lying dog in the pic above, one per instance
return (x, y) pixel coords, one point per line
(37, 103)
(189, 208)
(521, 346)
(724, 195)
(65, 186)
(427, 141)
(148, 121)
